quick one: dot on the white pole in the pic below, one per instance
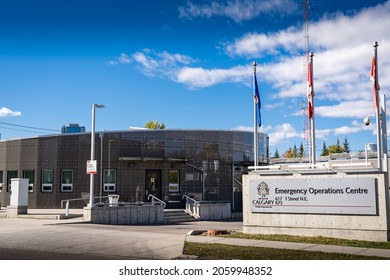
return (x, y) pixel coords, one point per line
(384, 132)
(101, 167)
(313, 129)
(255, 121)
(91, 176)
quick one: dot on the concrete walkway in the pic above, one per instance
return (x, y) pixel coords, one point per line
(45, 238)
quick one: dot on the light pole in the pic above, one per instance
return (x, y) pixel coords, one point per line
(92, 176)
(101, 135)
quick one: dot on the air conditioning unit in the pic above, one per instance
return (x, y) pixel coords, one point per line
(192, 176)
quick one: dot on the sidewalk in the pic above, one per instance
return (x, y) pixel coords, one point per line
(37, 236)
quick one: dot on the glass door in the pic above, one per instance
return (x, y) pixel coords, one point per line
(153, 183)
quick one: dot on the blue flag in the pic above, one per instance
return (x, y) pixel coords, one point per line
(256, 95)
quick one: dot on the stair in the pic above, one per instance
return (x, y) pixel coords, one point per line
(176, 216)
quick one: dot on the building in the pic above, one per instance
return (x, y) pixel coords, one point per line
(203, 164)
(72, 128)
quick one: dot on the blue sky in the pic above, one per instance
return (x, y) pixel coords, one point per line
(188, 64)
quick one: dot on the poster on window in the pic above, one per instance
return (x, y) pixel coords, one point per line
(173, 187)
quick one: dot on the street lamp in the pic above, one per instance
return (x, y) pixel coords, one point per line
(92, 176)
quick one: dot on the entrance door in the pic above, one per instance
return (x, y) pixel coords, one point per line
(153, 183)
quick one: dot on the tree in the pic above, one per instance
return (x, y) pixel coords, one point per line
(276, 154)
(154, 125)
(291, 152)
(301, 150)
(288, 153)
(335, 149)
(346, 145)
(325, 151)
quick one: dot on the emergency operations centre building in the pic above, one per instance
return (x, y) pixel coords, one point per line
(203, 164)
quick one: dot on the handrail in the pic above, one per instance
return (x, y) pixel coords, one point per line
(74, 199)
(155, 198)
(190, 198)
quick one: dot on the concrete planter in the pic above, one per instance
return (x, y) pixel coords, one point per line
(129, 214)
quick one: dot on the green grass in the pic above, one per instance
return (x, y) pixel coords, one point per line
(310, 240)
(220, 251)
(229, 252)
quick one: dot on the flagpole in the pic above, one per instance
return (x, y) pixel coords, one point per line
(312, 122)
(255, 121)
(384, 133)
(377, 105)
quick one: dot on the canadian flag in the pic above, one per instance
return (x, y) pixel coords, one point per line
(310, 88)
(374, 79)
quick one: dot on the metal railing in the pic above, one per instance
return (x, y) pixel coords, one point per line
(193, 201)
(192, 206)
(67, 201)
(154, 199)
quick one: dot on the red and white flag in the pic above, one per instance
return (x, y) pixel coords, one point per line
(310, 88)
(374, 79)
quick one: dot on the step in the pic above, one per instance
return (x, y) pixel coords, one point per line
(177, 216)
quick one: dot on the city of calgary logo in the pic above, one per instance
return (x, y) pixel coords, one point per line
(263, 189)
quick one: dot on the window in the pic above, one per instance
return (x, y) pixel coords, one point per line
(29, 174)
(1, 180)
(173, 180)
(109, 180)
(11, 175)
(47, 180)
(67, 180)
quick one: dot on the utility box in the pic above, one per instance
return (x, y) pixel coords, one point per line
(19, 197)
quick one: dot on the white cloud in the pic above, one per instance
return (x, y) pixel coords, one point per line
(238, 10)
(122, 59)
(346, 109)
(162, 64)
(283, 133)
(5, 112)
(176, 67)
(200, 77)
(243, 128)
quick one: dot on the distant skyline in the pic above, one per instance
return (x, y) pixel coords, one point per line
(188, 64)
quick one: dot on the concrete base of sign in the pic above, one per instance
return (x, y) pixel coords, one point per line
(347, 226)
(14, 211)
(133, 214)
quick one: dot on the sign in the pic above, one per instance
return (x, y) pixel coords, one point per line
(91, 166)
(173, 187)
(351, 195)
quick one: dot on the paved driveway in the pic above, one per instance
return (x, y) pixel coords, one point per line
(73, 239)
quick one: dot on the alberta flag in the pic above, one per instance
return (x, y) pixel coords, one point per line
(256, 96)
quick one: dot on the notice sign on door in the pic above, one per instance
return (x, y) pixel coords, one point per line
(351, 195)
(91, 166)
